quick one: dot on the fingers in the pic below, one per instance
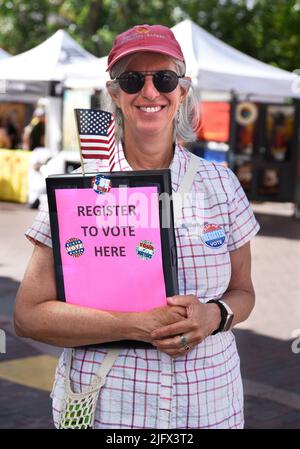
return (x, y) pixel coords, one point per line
(179, 352)
(180, 300)
(167, 343)
(174, 343)
(182, 311)
(172, 329)
(173, 347)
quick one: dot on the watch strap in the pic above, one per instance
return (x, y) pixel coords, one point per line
(224, 314)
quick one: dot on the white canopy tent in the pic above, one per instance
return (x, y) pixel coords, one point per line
(47, 61)
(216, 66)
(213, 66)
(87, 74)
(4, 54)
(40, 72)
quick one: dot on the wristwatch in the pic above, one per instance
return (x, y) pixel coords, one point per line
(226, 316)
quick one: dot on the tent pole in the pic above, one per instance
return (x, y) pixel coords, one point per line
(232, 129)
(296, 160)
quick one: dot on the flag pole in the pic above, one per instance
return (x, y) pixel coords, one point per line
(80, 152)
(81, 160)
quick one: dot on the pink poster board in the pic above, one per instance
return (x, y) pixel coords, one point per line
(110, 247)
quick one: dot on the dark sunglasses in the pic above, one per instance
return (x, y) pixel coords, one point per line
(165, 81)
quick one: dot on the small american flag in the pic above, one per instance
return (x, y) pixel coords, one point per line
(96, 131)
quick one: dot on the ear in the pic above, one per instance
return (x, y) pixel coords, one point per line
(113, 92)
(185, 89)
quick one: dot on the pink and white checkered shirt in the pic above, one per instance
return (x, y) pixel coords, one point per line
(147, 388)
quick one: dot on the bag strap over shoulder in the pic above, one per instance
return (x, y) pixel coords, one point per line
(107, 364)
(185, 186)
(188, 178)
(101, 375)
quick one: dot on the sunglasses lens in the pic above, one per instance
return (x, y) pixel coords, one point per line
(131, 82)
(165, 81)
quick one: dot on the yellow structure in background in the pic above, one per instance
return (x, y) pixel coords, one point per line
(14, 166)
(34, 372)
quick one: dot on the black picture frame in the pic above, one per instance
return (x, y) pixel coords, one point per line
(161, 179)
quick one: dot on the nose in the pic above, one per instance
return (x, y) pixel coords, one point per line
(149, 91)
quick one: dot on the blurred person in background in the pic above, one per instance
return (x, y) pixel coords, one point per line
(12, 131)
(5, 140)
(34, 133)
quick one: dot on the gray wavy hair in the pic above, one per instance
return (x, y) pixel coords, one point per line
(188, 115)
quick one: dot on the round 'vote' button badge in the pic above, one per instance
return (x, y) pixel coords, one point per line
(74, 247)
(101, 184)
(145, 250)
(213, 235)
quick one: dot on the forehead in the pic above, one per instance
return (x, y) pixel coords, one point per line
(150, 61)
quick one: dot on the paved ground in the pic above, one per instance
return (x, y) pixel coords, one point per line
(269, 366)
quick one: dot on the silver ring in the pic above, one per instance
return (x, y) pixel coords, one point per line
(183, 340)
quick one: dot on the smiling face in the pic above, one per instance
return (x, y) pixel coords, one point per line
(149, 112)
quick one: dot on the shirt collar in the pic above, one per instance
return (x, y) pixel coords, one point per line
(177, 165)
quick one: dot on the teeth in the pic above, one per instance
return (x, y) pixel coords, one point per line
(151, 109)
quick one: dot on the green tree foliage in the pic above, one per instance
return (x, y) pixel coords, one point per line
(265, 29)
(23, 24)
(95, 23)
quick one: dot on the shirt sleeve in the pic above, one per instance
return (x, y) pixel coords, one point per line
(242, 222)
(40, 231)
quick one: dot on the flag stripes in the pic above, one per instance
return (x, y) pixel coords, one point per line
(96, 131)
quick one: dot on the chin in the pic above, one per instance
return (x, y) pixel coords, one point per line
(151, 130)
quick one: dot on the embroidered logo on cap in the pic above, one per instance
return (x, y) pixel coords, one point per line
(142, 30)
(213, 235)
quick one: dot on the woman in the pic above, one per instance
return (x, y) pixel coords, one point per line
(191, 377)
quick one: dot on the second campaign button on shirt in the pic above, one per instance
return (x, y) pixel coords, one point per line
(213, 235)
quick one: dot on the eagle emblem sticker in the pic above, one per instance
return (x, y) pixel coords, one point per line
(213, 235)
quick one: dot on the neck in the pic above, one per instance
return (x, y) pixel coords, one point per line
(152, 152)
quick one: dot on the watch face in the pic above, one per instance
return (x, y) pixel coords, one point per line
(228, 323)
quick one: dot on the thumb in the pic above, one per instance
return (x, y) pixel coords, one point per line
(180, 300)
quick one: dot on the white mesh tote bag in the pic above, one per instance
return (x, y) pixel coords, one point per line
(78, 411)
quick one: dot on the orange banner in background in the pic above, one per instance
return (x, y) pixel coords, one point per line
(214, 121)
(14, 175)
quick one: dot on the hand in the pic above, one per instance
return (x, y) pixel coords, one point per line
(201, 321)
(158, 318)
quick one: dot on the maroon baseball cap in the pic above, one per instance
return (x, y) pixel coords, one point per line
(152, 38)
